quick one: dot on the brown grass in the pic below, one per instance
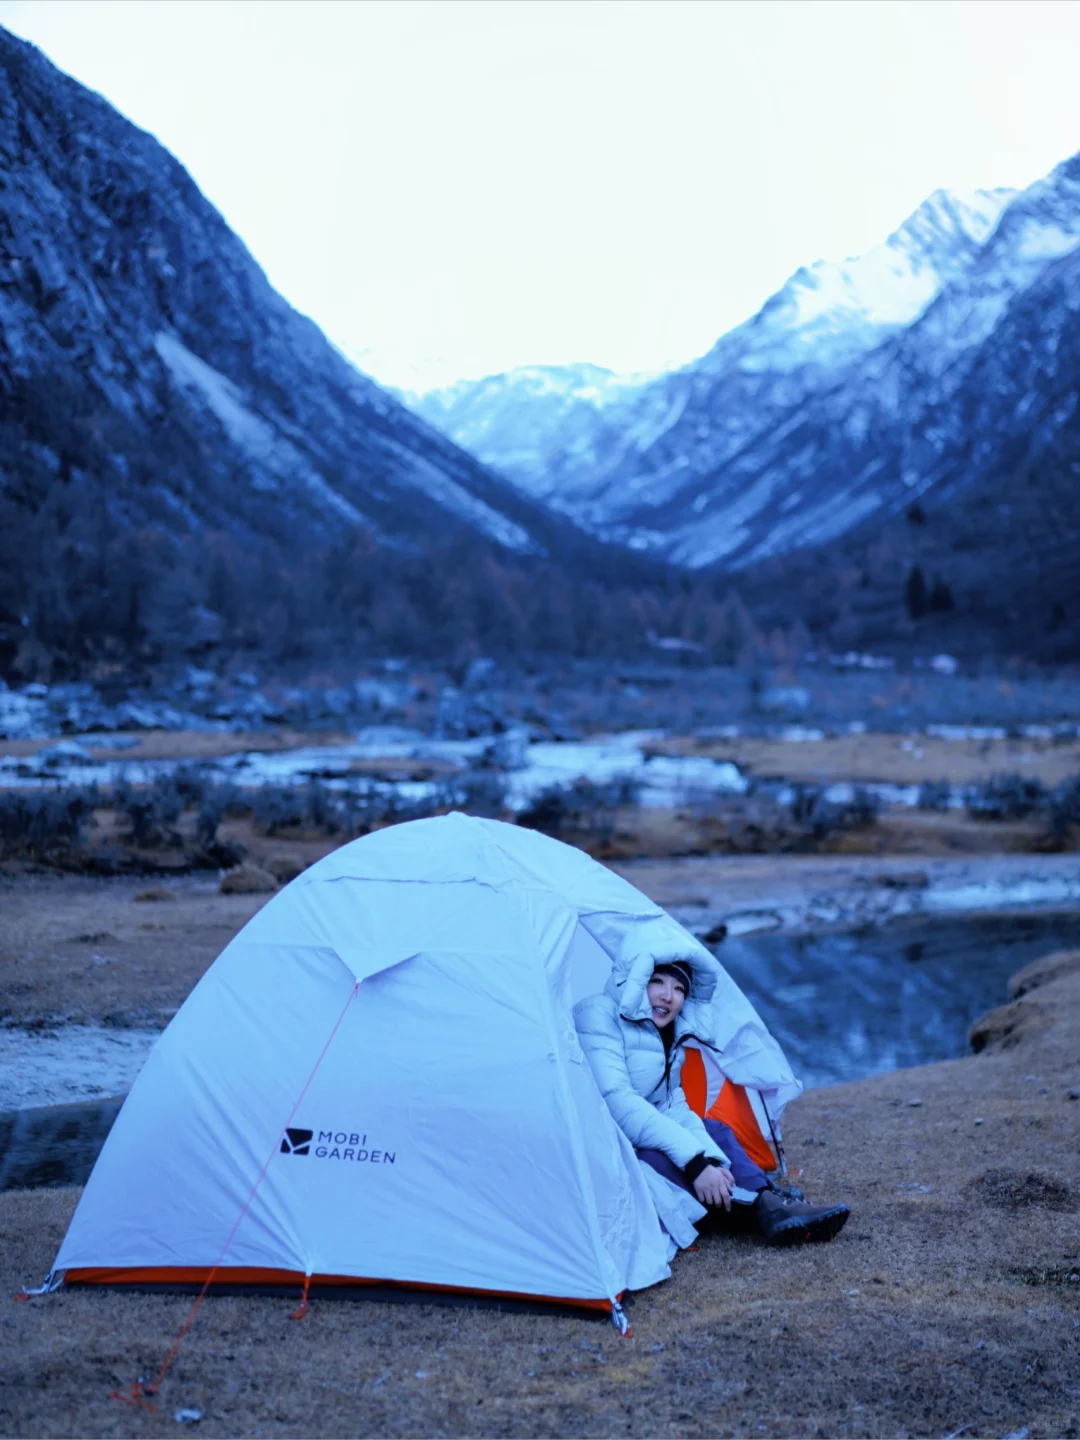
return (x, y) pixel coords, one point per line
(188, 744)
(885, 758)
(950, 1301)
(880, 757)
(642, 833)
(149, 952)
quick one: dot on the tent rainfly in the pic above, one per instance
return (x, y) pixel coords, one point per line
(378, 1083)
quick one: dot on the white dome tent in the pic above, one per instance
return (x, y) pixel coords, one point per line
(378, 1082)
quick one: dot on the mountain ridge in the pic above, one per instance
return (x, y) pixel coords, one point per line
(122, 281)
(563, 454)
(739, 464)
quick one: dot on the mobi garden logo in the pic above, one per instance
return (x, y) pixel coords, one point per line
(297, 1142)
(335, 1145)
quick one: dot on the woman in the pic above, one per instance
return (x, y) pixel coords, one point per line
(636, 1045)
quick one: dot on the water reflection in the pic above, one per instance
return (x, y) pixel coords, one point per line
(848, 1005)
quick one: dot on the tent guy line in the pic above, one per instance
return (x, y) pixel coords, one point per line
(138, 1393)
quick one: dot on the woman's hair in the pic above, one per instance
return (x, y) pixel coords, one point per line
(678, 970)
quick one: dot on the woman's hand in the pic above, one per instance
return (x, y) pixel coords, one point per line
(713, 1186)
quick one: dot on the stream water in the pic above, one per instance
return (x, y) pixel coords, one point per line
(844, 1006)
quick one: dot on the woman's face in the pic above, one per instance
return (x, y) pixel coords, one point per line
(667, 995)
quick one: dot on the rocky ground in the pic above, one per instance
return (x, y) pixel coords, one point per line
(949, 1305)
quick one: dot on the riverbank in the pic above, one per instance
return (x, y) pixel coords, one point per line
(950, 1303)
(93, 968)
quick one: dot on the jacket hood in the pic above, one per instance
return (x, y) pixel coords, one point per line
(636, 946)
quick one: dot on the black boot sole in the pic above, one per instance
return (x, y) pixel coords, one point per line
(801, 1230)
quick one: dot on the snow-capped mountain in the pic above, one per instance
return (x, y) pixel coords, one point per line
(988, 470)
(514, 420)
(143, 354)
(879, 432)
(605, 452)
(953, 445)
(914, 407)
(663, 488)
(820, 411)
(833, 312)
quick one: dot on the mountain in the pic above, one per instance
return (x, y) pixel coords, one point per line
(831, 313)
(518, 421)
(978, 476)
(144, 356)
(931, 482)
(877, 433)
(900, 423)
(608, 449)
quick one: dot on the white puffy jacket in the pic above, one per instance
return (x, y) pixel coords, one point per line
(626, 1053)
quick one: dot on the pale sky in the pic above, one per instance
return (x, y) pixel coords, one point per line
(454, 187)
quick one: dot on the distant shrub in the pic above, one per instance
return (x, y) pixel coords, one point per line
(482, 794)
(153, 810)
(346, 813)
(581, 806)
(1064, 808)
(192, 784)
(813, 808)
(216, 802)
(1006, 797)
(275, 808)
(934, 795)
(45, 822)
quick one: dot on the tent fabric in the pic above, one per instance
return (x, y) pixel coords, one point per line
(452, 1134)
(732, 1107)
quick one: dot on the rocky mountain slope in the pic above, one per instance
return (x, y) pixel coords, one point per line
(145, 357)
(973, 525)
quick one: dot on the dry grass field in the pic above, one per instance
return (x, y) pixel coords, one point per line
(950, 1303)
(193, 745)
(874, 756)
(895, 759)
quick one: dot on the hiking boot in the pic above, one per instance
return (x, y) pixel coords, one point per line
(789, 1192)
(789, 1222)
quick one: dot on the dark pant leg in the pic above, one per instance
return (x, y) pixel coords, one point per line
(746, 1174)
(665, 1166)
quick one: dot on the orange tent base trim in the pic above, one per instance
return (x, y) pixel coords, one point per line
(231, 1278)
